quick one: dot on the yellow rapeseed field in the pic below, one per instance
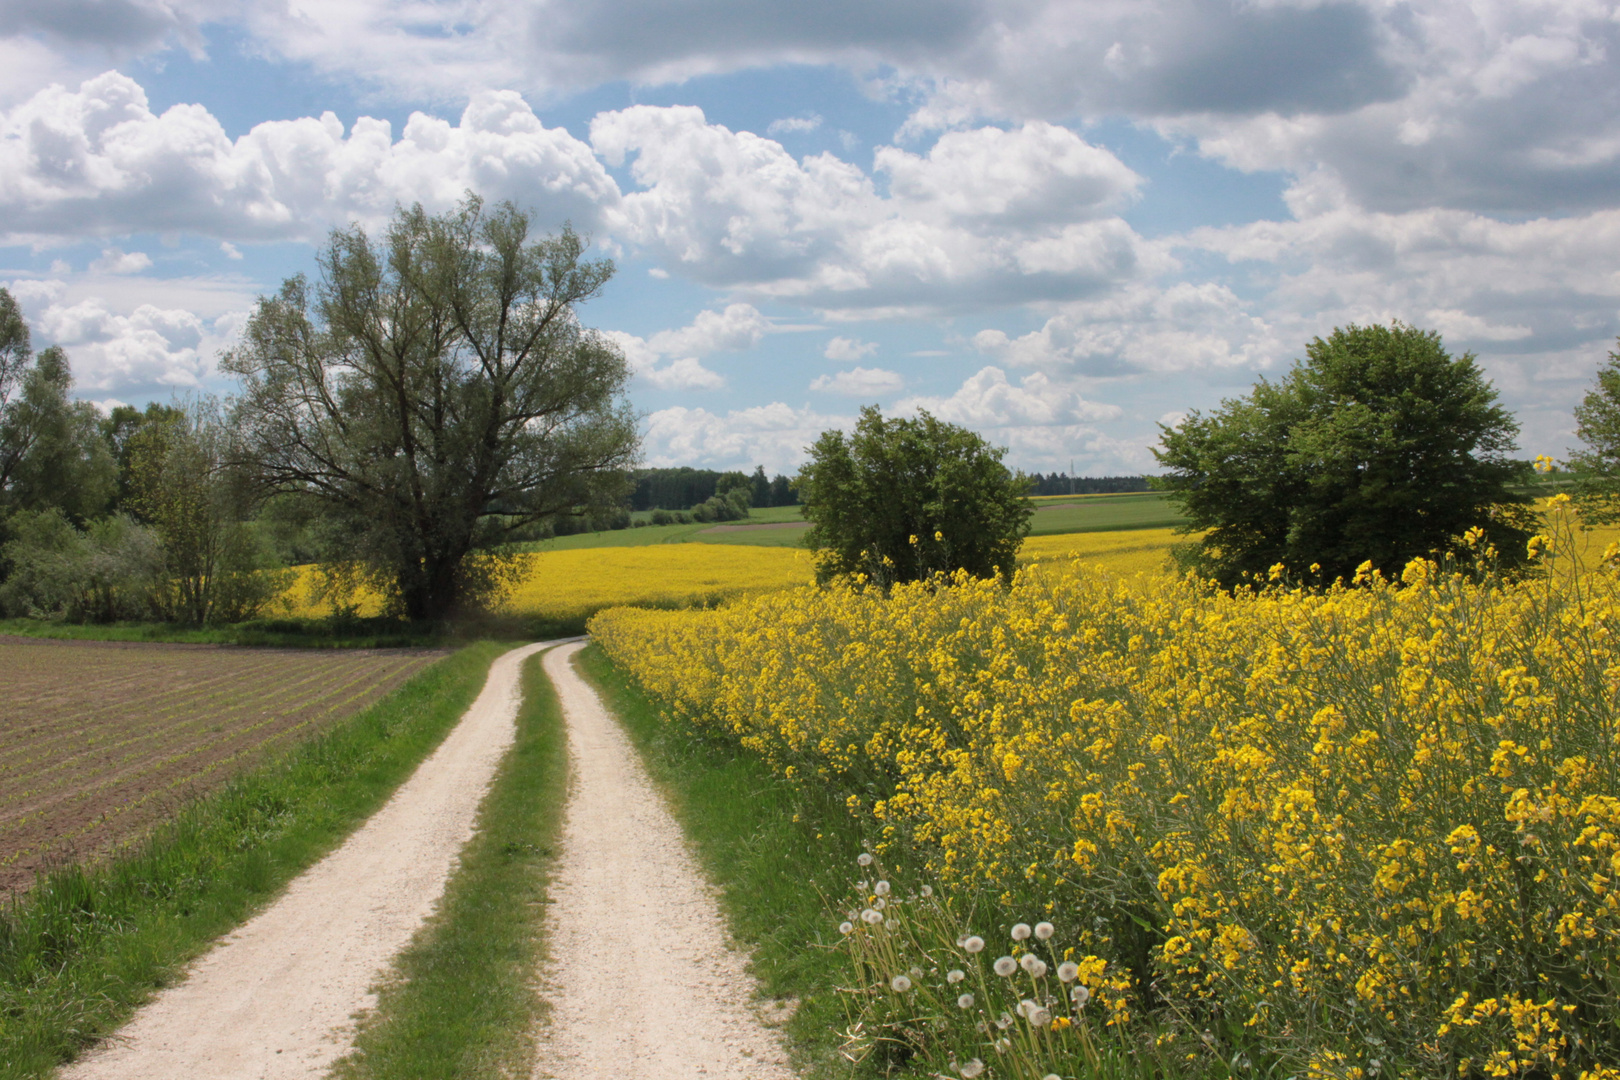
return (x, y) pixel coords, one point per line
(556, 586)
(1369, 831)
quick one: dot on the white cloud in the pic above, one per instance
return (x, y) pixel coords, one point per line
(986, 400)
(134, 337)
(794, 125)
(845, 350)
(116, 261)
(773, 435)
(229, 250)
(738, 327)
(98, 160)
(735, 210)
(860, 382)
(687, 373)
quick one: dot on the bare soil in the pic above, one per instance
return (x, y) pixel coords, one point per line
(275, 999)
(101, 740)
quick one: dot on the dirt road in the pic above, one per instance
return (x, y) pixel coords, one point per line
(642, 981)
(274, 999)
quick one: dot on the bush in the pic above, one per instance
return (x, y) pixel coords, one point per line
(902, 500)
(1380, 447)
(111, 572)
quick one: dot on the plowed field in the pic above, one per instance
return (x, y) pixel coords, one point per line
(100, 740)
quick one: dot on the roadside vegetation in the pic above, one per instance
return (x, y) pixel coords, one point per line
(89, 943)
(775, 850)
(461, 1002)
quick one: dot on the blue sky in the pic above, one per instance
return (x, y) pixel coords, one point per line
(1059, 222)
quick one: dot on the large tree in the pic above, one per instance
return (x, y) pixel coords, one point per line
(434, 392)
(1381, 446)
(52, 454)
(1597, 468)
(900, 500)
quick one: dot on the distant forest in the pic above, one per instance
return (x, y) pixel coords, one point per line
(684, 488)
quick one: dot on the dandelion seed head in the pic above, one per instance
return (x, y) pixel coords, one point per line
(845, 927)
(926, 891)
(1045, 930)
(974, 944)
(1006, 966)
(871, 916)
(864, 858)
(1034, 965)
(973, 1068)
(1039, 1016)
(890, 924)
(881, 888)
(900, 984)
(1068, 971)
(1020, 932)
(1080, 995)
(915, 972)
(880, 903)
(965, 1001)
(955, 975)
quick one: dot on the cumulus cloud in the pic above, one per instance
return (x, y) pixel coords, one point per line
(133, 337)
(97, 160)
(859, 382)
(116, 261)
(738, 327)
(961, 228)
(987, 400)
(844, 350)
(773, 435)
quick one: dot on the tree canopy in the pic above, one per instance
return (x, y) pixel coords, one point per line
(1379, 447)
(899, 500)
(435, 391)
(1597, 468)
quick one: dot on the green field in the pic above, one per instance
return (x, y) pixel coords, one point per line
(1054, 515)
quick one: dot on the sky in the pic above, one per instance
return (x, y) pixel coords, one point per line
(1061, 223)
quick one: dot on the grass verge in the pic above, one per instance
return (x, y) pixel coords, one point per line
(81, 950)
(462, 1002)
(779, 855)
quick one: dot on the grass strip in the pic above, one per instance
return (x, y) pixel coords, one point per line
(780, 855)
(462, 1002)
(87, 945)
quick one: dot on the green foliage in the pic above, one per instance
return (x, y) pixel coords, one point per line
(51, 450)
(1596, 489)
(105, 573)
(217, 568)
(435, 394)
(903, 499)
(1379, 447)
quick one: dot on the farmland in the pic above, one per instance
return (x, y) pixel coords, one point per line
(100, 740)
(1360, 831)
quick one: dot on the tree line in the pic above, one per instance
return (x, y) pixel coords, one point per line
(433, 397)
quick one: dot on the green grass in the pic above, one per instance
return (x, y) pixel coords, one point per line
(285, 633)
(88, 944)
(462, 1001)
(1103, 513)
(775, 851)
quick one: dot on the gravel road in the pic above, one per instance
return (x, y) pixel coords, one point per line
(643, 981)
(275, 998)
